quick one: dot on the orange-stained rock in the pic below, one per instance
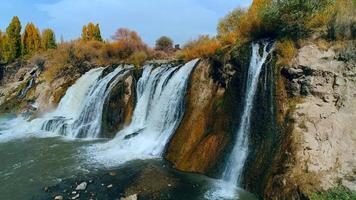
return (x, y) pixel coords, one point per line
(201, 136)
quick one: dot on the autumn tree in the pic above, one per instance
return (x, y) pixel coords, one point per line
(12, 41)
(1, 45)
(164, 43)
(230, 23)
(48, 39)
(127, 42)
(91, 32)
(31, 39)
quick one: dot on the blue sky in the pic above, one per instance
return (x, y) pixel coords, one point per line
(179, 19)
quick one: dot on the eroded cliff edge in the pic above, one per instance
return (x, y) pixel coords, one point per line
(321, 141)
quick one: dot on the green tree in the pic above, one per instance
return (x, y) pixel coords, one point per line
(97, 33)
(48, 39)
(91, 32)
(164, 43)
(31, 39)
(12, 46)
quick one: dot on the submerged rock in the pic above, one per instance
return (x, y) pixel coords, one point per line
(58, 197)
(81, 186)
(131, 197)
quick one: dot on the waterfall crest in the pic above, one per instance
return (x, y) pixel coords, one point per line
(158, 112)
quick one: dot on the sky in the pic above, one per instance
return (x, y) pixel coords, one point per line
(181, 20)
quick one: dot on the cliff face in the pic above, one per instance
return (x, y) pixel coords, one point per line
(322, 138)
(201, 136)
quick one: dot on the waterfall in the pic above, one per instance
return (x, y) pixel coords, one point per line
(232, 174)
(158, 112)
(81, 117)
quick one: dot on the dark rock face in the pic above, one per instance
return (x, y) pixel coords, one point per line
(119, 106)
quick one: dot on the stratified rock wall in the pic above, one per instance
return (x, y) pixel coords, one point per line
(322, 141)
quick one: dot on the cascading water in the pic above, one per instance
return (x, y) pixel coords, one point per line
(79, 112)
(158, 111)
(232, 174)
(84, 120)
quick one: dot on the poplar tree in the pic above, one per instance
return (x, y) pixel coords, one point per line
(85, 33)
(1, 46)
(31, 39)
(97, 33)
(48, 39)
(12, 40)
(91, 32)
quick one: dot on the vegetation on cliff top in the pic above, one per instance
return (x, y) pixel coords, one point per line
(337, 193)
(288, 21)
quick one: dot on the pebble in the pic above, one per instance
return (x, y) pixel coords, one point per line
(58, 197)
(131, 197)
(112, 173)
(76, 196)
(82, 186)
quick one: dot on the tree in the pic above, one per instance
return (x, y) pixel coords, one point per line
(1, 45)
(85, 33)
(127, 42)
(164, 43)
(12, 46)
(31, 39)
(230, 22)
(97, 33)
(48, 39)
(91, 32)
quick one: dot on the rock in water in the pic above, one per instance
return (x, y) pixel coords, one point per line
(131, 197)
(82, 186)
(58, 197)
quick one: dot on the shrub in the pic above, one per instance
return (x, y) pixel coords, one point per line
(342, 24)
(202, 47)
(337, 193)
(137, 58)
(164, 43)
(285, 52)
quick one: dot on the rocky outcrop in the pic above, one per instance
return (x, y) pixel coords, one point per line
(322, 140)
(213, 101)
(119, 106)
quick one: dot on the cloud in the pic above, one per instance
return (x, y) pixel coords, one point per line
(179, 19)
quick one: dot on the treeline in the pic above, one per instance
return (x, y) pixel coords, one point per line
(15, 44)
(288, 21)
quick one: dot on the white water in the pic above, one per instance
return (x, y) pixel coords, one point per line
(81, 117)
(231, 179)
(159, 109)
(68, 108)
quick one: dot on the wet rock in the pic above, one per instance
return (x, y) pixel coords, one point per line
(76, 196)
(58, 197)
(131, 197)
(81, 186)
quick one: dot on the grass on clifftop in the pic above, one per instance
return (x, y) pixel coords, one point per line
(337, 193)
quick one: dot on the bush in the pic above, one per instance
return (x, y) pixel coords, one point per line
(342, 24)
(164, 43)
(202, 47)
(337, 193)
(285, 52)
